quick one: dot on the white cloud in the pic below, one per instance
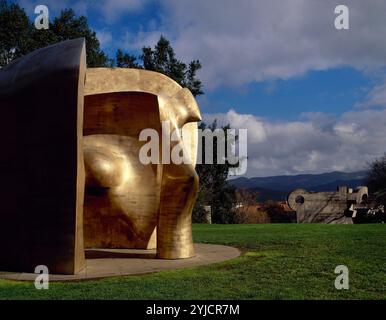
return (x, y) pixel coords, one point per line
(113, 9)
(243, 41)
(105, 38)
(376, 97)
(319, 144)
(239, 42)
(135, 41)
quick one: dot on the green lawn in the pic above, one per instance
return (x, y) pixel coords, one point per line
(279, 261)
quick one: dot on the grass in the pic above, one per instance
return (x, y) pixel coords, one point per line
(279, 261)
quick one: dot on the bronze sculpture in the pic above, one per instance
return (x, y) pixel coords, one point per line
(70, 172)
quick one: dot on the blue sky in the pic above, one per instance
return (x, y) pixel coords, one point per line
(332, 91)
(313, 98)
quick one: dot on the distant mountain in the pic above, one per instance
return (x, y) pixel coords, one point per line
(278, 187)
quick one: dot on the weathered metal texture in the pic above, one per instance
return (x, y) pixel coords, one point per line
(327, 207)
(41, 163)
(152, 196)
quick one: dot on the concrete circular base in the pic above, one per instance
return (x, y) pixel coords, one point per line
(102, 263)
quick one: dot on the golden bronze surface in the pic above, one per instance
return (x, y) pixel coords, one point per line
(137, 201)
(71, 174)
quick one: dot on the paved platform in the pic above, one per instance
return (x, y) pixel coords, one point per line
(102, 263)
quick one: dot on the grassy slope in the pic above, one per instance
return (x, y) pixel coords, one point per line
(279, 262)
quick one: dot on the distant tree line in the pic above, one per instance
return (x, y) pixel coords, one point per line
(376, 180)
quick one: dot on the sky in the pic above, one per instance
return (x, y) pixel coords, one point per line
(312, 97)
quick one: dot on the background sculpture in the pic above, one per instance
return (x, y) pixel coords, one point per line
(69, 129)
(327, 207)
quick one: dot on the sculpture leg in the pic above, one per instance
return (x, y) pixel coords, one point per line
(179, 193)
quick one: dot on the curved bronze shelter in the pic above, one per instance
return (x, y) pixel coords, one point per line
(70, 171)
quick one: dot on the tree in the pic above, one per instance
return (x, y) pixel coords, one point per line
(376, 180)
(277, 213)
(215, 190)
(18, 36)
(67, 26)
(14, 32)
(248, 209)
(124, 60)
(247, 198)
(162, 59)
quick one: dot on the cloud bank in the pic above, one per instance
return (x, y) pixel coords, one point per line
(243, 41)
(320, 143)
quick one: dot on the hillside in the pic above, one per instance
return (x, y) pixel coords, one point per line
(278, 187)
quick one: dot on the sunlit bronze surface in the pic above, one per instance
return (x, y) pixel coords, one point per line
(130, 202)
(122, 195)
(51, 155)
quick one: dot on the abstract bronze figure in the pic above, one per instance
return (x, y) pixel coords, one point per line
(70, 171)
(149, 195)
